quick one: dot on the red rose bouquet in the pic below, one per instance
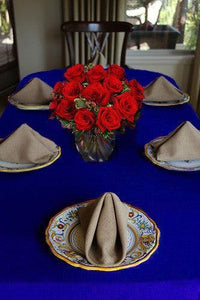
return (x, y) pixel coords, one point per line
(94, 103)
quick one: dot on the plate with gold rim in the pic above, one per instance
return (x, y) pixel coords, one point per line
(182, 165)
(65, 238)
(28, 107)
(16, 168)
(184, 99)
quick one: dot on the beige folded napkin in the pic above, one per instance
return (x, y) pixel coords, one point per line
(36, 92)
(25, 145)
(104, 223)
(181, 144)
(162, 90)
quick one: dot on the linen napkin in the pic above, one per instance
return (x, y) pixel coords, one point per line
(36, 92)
(104, 223)
(161, 90)
(25, 145)
(183, 143)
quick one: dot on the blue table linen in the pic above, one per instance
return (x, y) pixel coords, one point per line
(28, 269)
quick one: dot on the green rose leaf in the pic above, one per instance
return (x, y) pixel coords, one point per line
(79, 103)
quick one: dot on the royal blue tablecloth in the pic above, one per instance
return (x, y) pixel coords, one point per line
(28, 269)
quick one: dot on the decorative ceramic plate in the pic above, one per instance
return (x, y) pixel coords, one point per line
(182, 165)
(185, 98)
(27, 107)
(15, 167)
(65, 238)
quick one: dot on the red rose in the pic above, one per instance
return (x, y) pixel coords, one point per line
(66, 109)
(84, 119)
(116, 71)
(108, 118)
(97, 73)
(71, 90)
(126, 106)
(97, 93)
(58, 87)
(75, 73)
(54, 103)
(113, 84)
(137, 91)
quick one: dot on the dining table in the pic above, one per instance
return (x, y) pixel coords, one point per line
(28, 200)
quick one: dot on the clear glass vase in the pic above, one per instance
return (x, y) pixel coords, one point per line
(94, 147)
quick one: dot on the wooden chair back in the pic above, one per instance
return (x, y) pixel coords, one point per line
(94, 38)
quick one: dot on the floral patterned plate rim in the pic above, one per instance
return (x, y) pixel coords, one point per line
(27, 107)
(186, 166)
(64, 237)
(18, 168)
(185, 98)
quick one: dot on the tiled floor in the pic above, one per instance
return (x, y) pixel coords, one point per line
(3, 101)
(8, 82)
(4, 98)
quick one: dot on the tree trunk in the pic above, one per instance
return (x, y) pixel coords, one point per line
(158, 17)
(180, 18)
(146, 16)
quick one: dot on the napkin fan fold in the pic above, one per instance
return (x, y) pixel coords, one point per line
(162, 90)
(181, 144)
(35, 92)
(104, 223)
(25, 145)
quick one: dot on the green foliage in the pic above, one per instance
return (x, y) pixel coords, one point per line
(167, 12)
(125, 88)
(107, 134)
(192, 21)
(191, 30)
(80, 103)
(69, 124)
(4, 24)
